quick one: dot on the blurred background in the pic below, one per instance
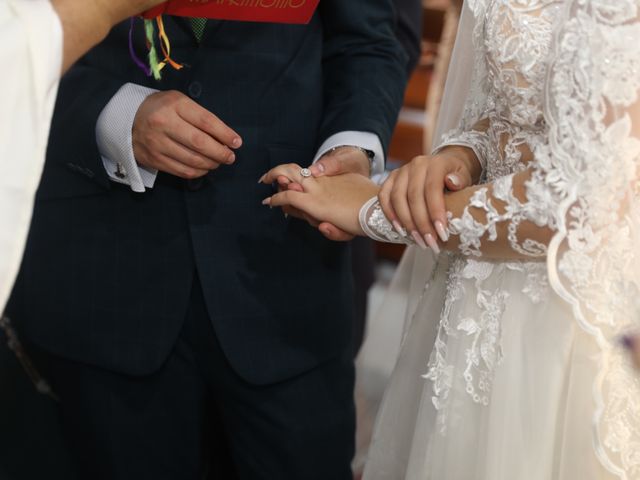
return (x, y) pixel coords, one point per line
(31, 445)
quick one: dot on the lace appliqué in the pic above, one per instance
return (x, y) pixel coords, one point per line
(471, 231)
(377, 226)
(481, 335)
(475, 140)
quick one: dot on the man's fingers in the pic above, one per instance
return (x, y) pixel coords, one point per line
(199, 141)
(310, 220)
(283, 182)
(208, 123)
(187, 157)
(329, 166)
(178, 169)
(346, 159)
(332, 232)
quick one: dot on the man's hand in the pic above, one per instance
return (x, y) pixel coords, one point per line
(342, 160)
(174, 134)
(337, 162)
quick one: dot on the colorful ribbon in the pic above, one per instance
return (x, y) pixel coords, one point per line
(155, 66)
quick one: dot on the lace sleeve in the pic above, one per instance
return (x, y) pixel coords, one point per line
(476, 140)
(510, 217)
(377, 226)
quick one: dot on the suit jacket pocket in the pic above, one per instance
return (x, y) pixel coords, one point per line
(72, 179)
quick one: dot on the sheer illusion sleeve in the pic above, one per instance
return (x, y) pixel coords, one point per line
(511, 217)
(474, 138)
(518, 215)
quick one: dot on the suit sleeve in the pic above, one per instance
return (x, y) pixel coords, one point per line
(409, 30)
(364, 68)
(84, 92)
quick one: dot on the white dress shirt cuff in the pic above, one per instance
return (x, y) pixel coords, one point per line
(366, 140)
(113, 134)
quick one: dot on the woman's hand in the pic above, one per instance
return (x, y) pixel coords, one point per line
(413, 196)
(336, 200)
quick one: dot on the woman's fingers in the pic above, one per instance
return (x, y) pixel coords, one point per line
(288, 198)
(450, 177)
(384, 196)
(433, 193)
(418, 206)
(290, 171)
(457, 178)
(400, 204)
(453, 182)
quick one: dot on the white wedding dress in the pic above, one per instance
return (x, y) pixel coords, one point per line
(512, 370)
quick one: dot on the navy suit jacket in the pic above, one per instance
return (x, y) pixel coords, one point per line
(107, 272)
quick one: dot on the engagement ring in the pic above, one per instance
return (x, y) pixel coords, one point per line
(305, 173)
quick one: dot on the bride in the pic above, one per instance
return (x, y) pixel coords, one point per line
(510, 367)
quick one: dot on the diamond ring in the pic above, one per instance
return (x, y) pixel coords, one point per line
(305, 173)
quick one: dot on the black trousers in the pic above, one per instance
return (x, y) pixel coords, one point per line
(197, 419)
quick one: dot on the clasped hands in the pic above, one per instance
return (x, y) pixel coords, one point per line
(412, 198)
(172, 133)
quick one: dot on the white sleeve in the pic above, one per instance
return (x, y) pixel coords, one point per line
(367, 140)
(31, 47)
(113, 135)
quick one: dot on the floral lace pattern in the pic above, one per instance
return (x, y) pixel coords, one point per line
(558, 82)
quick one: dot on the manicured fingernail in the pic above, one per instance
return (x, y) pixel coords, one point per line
(237, 142)
(398, 228)
(266, 201)
(232, 158)
(455, 180)
(442, 232)
(320, 168)
(432, 243)
(416, 236)
(262, 178)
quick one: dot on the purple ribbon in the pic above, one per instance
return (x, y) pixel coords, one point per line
(143, 66)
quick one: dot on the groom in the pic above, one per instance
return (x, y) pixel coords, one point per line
(181, 323)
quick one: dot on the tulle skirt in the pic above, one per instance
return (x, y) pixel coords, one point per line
(533, 419)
